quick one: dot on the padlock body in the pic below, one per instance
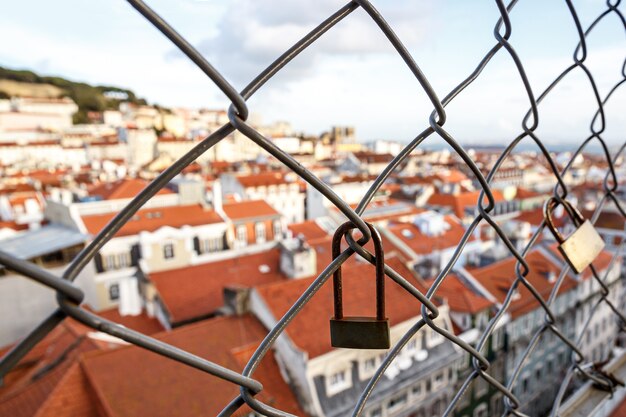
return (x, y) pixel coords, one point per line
(582, 247)
(359, 333)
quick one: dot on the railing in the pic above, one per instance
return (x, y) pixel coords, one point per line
(69, 296)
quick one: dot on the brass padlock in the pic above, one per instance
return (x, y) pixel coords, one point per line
(359, 332)
(581, 247)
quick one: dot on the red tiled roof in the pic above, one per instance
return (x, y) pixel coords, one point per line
(309, 229)
(141, 322)
(72, 397)
(153, 219)
(423, 244)
(523, 193)
(133, 382)
(461, 298)
(451, 176)
(498, 277)
(263, 179)
(197, 291)
(27, 387)
(372, 157)
(249, 209)
(124, 188)
(358, 297)
(459, 202)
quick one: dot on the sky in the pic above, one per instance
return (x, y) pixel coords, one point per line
(351, 76)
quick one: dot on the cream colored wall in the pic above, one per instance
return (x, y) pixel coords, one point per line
(157, 262)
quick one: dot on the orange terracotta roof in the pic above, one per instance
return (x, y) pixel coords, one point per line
(372, 157)
(422, 244)
(72, 397)
(249, 209)
(124, 188)
(459, 202)
(131, 381)
(263, 179)
(153, 219)
(451, 176)
(536, 216)
(358, 297)
(141, 322)
(309, 229)
(27, 387)
(460, 297)
(607, 219)
(523, 193)
(197, 291)
(498, 277)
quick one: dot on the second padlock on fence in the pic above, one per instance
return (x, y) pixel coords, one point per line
(583, 246)
(356, 332)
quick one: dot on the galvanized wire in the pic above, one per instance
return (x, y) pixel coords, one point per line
(69, 296)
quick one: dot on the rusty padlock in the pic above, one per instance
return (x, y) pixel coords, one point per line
(359, 332)
(581, 247)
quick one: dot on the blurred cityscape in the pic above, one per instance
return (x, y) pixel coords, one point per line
(219, 255)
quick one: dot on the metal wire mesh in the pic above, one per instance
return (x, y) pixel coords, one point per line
(69, 296)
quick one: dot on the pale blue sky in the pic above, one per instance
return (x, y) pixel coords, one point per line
(350, 77)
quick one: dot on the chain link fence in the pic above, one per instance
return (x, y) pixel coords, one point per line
(69, 296)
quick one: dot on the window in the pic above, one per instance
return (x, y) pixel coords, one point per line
(438, 379)
(376, 412)
(259, 231)
(337, 382)
(277, 229)
(242, 234)
(168, 251)
(397, 402)
(108, 261)
(368, 367)
(114, 292)
(417, 390)
(124, 260)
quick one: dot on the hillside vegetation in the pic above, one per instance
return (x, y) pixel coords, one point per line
(87, 97)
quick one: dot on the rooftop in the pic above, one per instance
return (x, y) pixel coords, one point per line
(152, 219)
(250, 209)
(358, 300)
(47, 239)
(197, 291)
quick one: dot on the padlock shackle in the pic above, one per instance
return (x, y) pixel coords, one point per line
(380, 270)
(549, 207)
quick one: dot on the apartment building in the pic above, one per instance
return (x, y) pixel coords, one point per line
(285, 192)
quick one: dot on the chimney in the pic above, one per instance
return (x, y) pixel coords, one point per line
(297, 258)
(237, 299)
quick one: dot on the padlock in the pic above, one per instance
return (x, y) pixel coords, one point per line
(359, 332)
(581, 247)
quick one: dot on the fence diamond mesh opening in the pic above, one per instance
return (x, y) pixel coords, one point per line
(551, 325)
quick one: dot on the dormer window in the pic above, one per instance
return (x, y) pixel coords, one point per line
(338, 381)
(368, 367)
